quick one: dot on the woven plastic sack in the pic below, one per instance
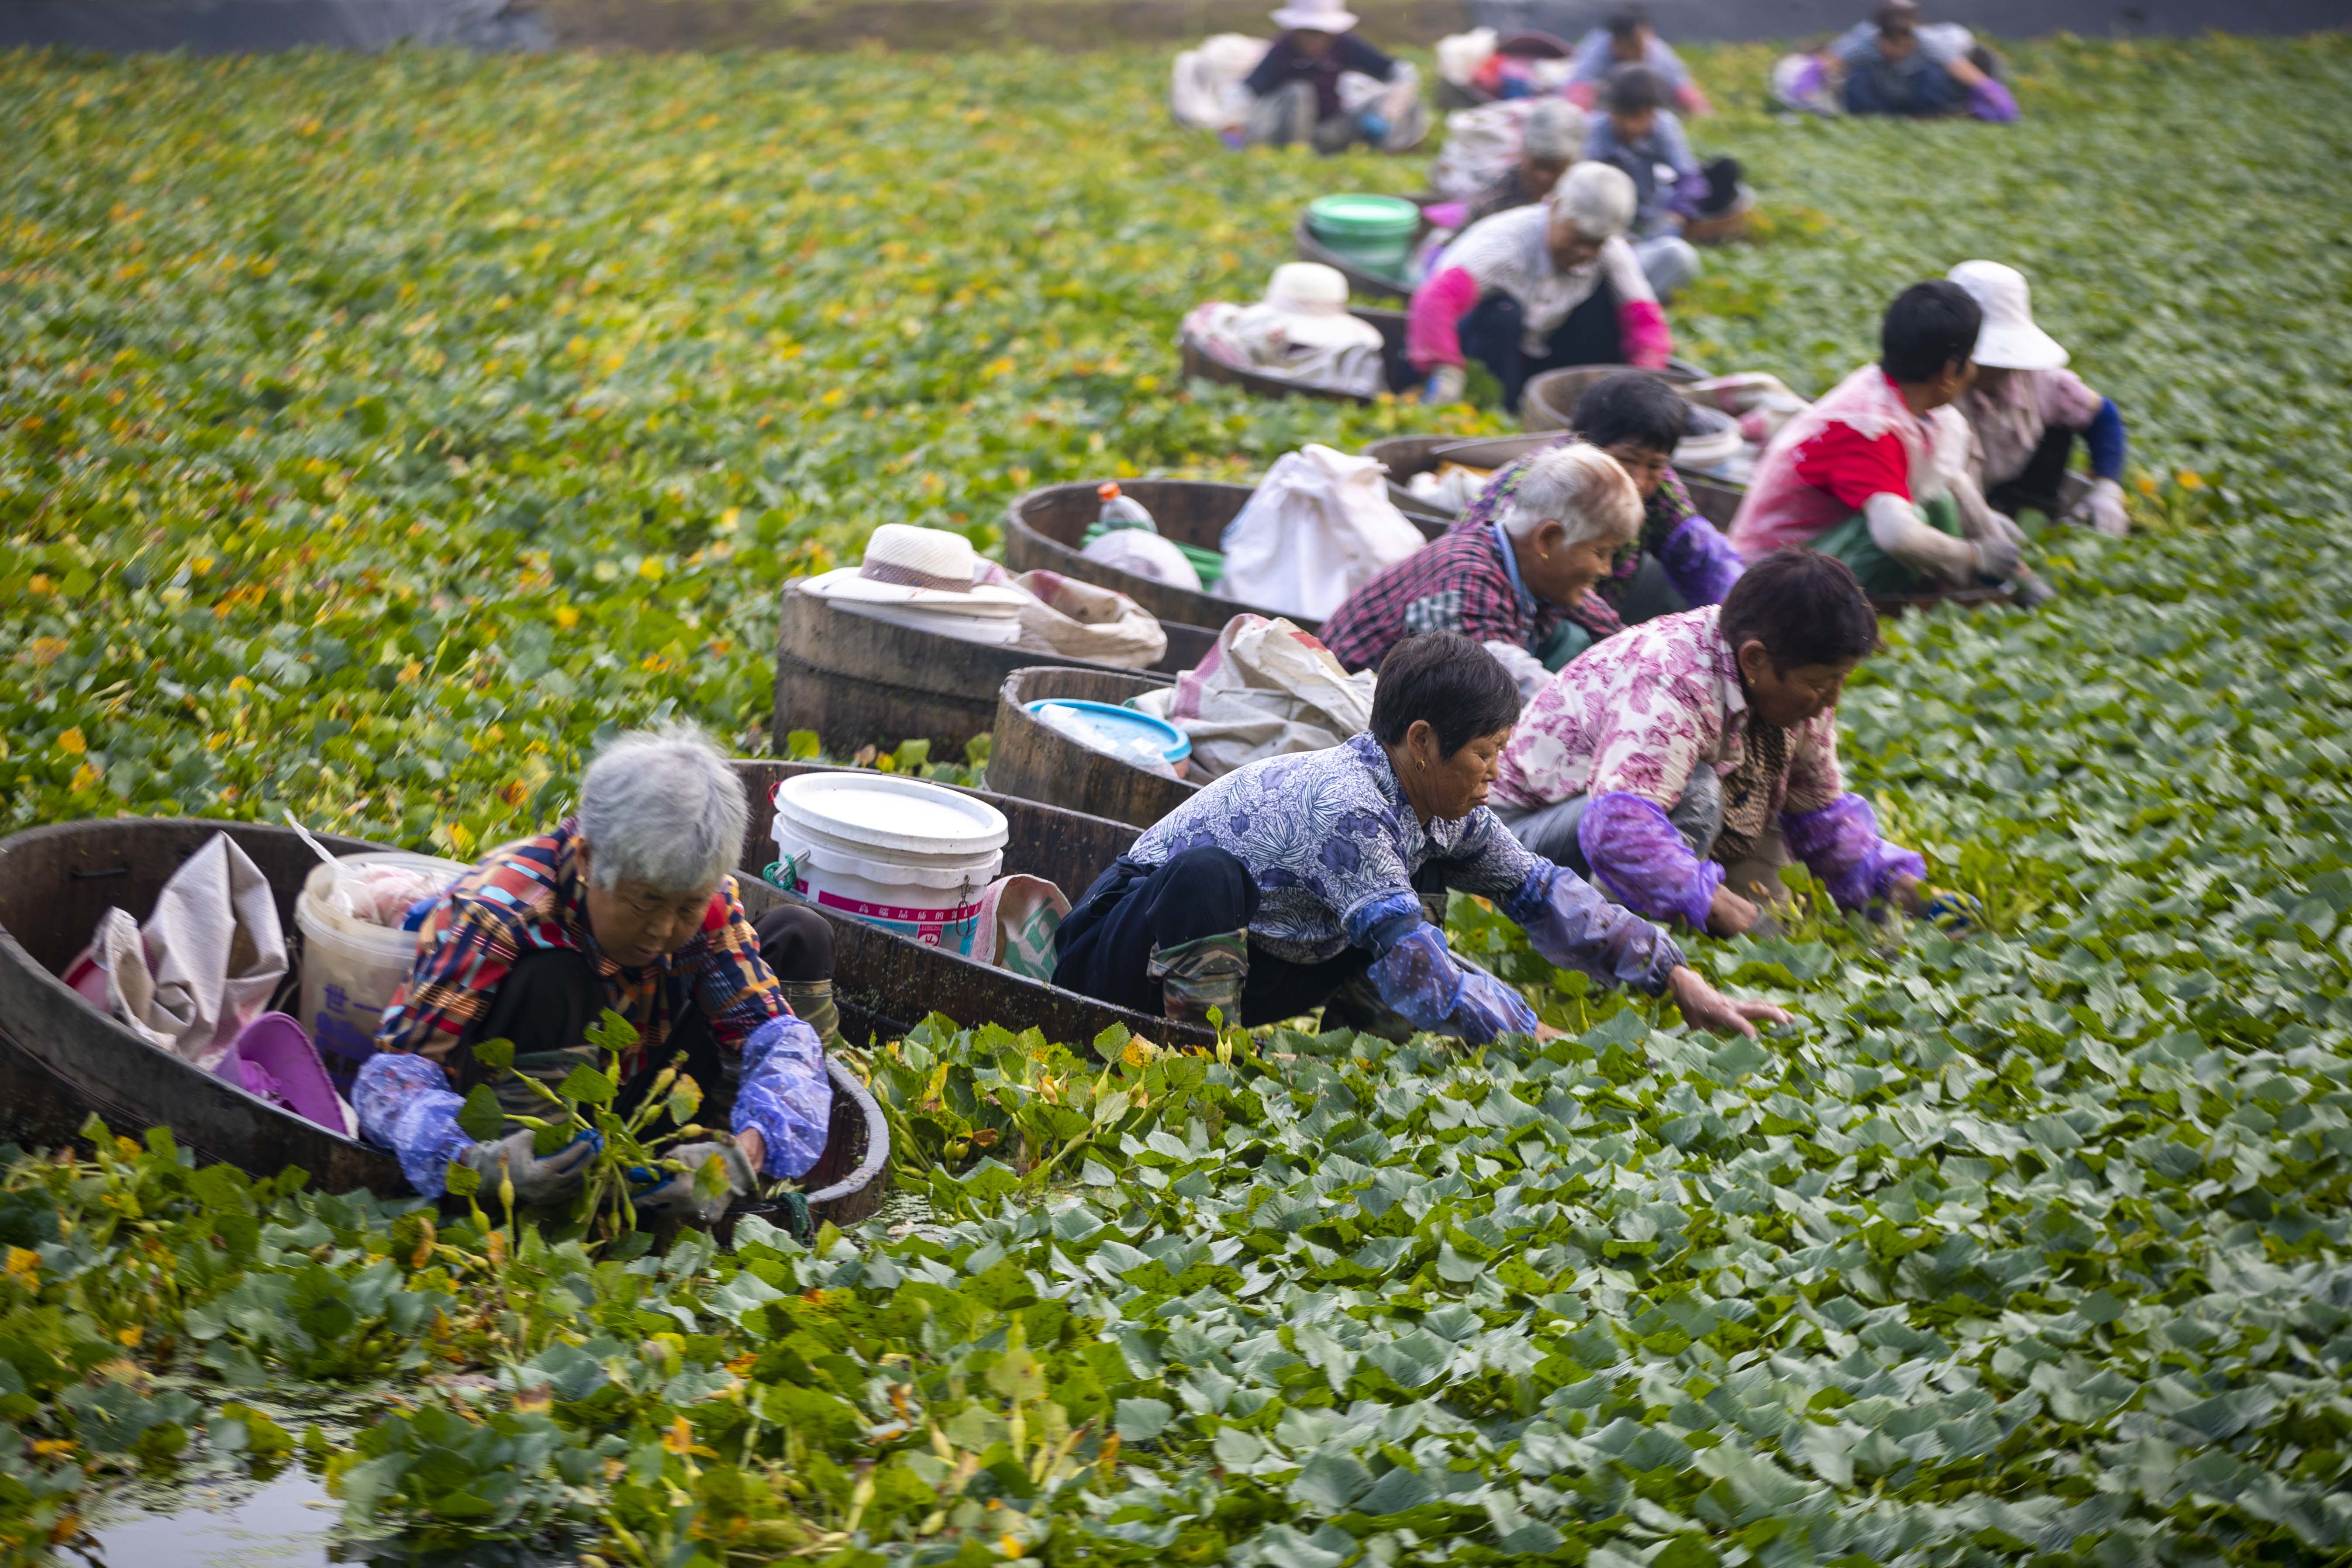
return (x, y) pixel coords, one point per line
(1320, 526)
(1266, 689)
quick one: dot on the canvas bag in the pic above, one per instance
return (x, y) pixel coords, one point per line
(1018, 917)
(1080, 620)
(1266, 689)
(204, 965)
(1205, 90)
(1320, 526)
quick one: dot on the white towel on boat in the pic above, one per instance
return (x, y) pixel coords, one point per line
(204, 965)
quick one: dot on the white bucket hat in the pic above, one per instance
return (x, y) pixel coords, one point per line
(2008, 340)
(1315, 17)
(921, 569)
(1313, 300)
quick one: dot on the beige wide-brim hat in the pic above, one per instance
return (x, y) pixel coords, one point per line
(2008, 340)
(919, 569)
(1327, 17)
(1313, 300)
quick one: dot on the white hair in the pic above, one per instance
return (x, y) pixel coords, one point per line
(1554, 130)
(661, 807)
(1583, 488)
(1599, 199)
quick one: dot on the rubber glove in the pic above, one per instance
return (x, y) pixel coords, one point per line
(1374, 125)
(1996, 559)
(2105, 505)
(1447, 383)
(1419, 978)
(1957, 914)
(679, 1196)
(539, 1179)
(1990, 102)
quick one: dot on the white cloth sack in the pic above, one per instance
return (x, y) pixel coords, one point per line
(1205, 91)
(1146, 554)
(1459, 54)
(1397, 99)
(1266, 689)
(206, 962)
(1081, 620)
(1320, 526)
(1257, 337)
(1482, 145)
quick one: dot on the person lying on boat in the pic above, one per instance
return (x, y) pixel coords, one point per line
(1296, 92)
(1875, 472)
(628, 905)
(2027, 409)
(1549, 140)
(1895, 64)
(1509, 578)
(1680, 765)
(1639, 134)
(1296, 881)
(1537, 289)
(1682, 560)
(1629, 40)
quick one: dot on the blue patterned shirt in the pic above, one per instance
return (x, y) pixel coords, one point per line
(1333, 845)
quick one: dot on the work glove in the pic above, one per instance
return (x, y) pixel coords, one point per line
(1447, 383)
(1996, 559)
(678, 1194)
(1374, 125)
(2105, 505)
(1955, 914)
(1991, 102)
(539, 1179)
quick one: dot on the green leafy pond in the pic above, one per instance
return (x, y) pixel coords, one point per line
(379, 432)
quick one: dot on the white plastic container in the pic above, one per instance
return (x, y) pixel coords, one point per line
(909, 857)
(351, 966)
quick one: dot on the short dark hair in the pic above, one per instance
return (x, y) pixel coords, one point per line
(1635, 88)
(1627, 21)
(1805, 607)
(1444, 677)
(1930, 326)
(1897, 19)
(1632, 405)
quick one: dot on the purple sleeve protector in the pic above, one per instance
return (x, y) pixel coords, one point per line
(784, 1093)
(1840, 843)
(1645, 861)
(1571, 925)
(404, 1104)
(1990, 102)
(1699, 561)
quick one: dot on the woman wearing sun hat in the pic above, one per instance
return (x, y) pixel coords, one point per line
(2027, 409)
(1294, 90)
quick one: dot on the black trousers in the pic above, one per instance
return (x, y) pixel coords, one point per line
(550, 998)
(2037, 487)
(1492, 334)
(1105, 945)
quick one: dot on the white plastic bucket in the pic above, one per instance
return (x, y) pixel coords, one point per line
(351, 966)
(906, 855)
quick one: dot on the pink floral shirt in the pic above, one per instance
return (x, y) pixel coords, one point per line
(1640, 712)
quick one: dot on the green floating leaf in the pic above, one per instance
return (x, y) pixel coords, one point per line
(481, 1116)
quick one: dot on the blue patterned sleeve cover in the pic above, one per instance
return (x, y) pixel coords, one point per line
(1419, 978)
(1840, 843)
(784, 1093)
(404, 1105)
(1571, 925)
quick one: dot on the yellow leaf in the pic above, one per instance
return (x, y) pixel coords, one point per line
(1010, 1545)
(566, 616)
(23, 1261)
(650, 569)
(39, 583)
(679, 1439)
(71, 743)
(85, 777)
(2190, 480)
(132, 1335)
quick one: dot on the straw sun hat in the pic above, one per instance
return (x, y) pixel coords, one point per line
(922, 569)
(2008, 340)
(1315, 16)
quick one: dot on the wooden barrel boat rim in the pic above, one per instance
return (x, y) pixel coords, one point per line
(14, 953)
(1070, 660)
(1016, 517)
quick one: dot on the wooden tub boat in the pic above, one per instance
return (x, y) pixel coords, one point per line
(855, 677)
(1409, 454)
(1037, 763)
(1044, 529)
(886, 984)
(61, 1059)
(1549, 401)
(1199, 362)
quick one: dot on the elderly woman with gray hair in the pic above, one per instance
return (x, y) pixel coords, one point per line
(626, 906)
(1539, 288)
(1548, 138)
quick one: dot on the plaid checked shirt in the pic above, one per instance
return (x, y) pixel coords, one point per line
(1457, 582)
(528, 897)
